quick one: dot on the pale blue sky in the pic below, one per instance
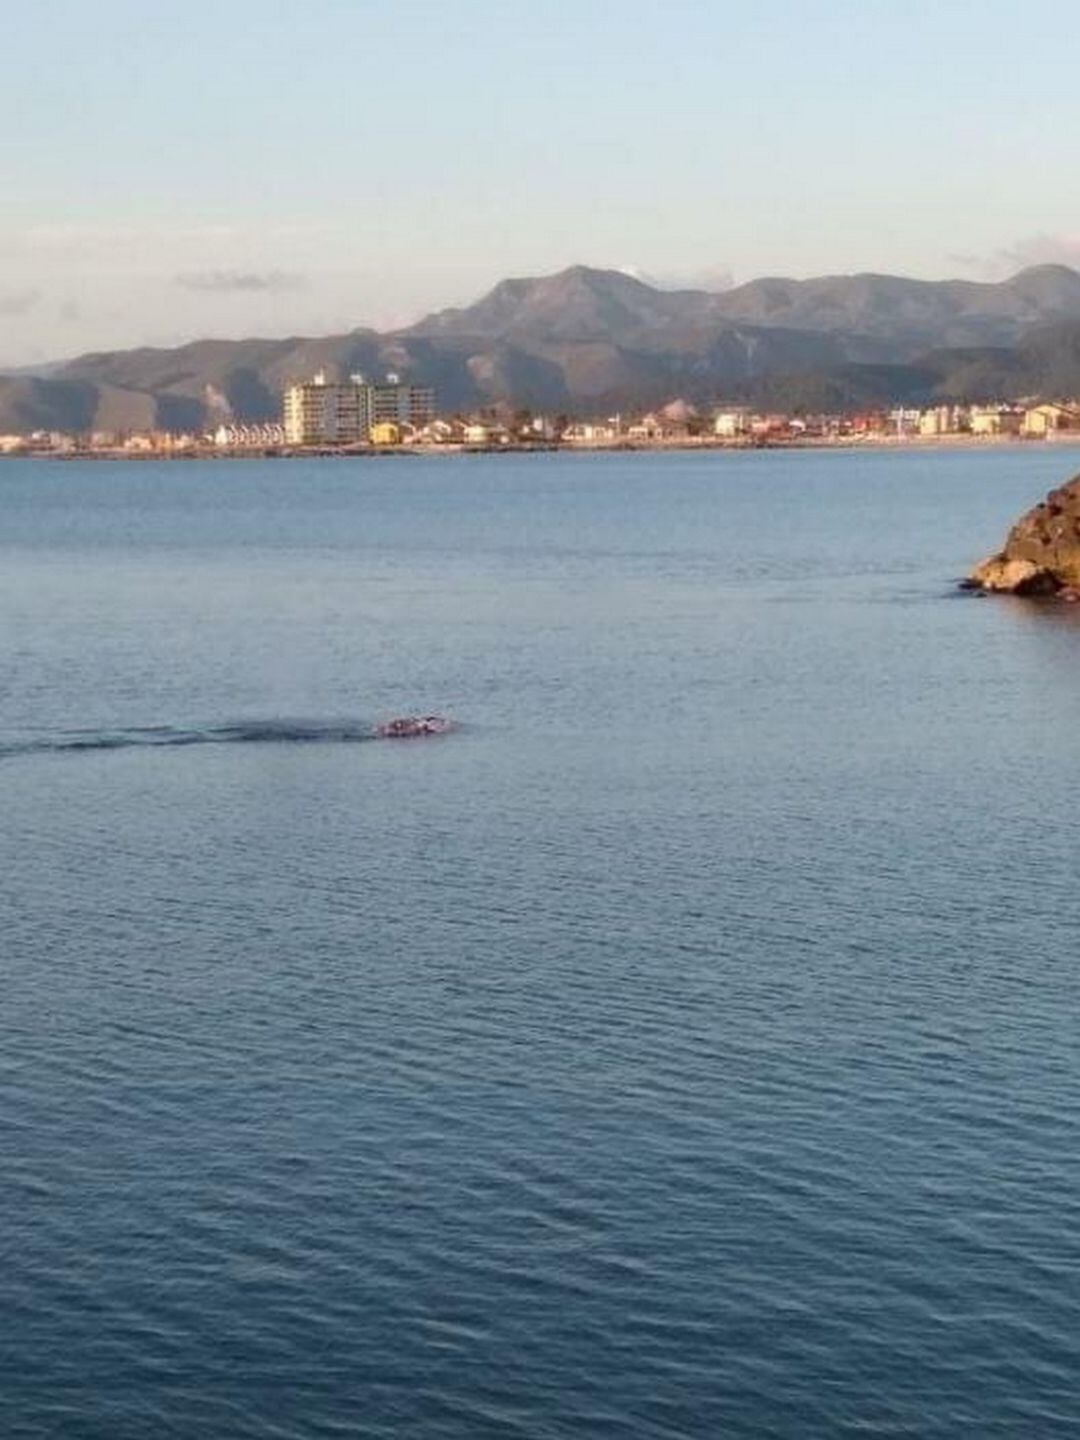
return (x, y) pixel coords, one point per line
(174, 170)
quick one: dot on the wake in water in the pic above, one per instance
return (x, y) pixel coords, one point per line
(248, 732)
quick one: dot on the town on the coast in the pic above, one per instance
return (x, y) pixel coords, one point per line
(355, 415)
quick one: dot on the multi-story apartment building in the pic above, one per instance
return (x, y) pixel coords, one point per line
(392, 403)
(321, 412)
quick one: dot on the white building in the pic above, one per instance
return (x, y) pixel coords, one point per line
(240, 437)
(729, 424)
(321, 412)
(588, 432)
(905, 421)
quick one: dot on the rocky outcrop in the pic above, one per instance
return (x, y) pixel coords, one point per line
(1012, 577)
(1041, 555)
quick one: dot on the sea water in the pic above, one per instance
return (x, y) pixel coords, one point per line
(684, 1047)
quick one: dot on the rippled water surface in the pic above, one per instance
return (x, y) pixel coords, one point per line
(685, 1047)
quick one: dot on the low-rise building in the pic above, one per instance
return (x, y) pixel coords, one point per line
(249, 437)
(1050, 418)
(592, 432)
(730, 424)
(904, 420)
(484, 433)
(442, 432)
(543, 428)
(995, 420)
(385, 432)
(869, 422)
(648, 428)
(764, 427)
(942, 420)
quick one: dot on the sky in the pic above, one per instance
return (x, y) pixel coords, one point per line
(172, 171)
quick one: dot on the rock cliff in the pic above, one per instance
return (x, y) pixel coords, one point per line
(1041, 555)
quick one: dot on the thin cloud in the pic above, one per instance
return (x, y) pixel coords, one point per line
(712, 278)
(75, 242)
(79, 243)
(1042, 249)
(241, 282)
(19, 302)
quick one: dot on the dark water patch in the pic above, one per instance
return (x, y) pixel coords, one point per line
(247, 732)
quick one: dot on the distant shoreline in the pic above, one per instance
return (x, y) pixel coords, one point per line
(704, 444)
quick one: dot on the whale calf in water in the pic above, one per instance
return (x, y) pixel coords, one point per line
(412, 727)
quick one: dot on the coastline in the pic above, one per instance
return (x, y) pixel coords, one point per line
(695, 444)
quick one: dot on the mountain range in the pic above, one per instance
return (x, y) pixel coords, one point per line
(587, 341)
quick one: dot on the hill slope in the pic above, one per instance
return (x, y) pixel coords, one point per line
(587, 341)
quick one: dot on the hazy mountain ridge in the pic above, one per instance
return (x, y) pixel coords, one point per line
(586, 341)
